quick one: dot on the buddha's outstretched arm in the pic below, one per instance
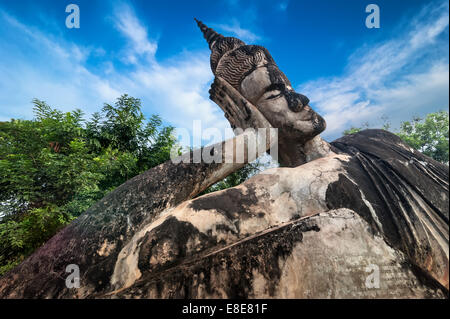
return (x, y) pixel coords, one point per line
(94, 240)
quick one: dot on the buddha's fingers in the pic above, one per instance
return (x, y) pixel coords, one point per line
(228, 104)
(218, 96)
(247, 114)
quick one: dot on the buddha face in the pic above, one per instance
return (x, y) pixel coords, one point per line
(253, 73)
(291, 114)
(270, 91)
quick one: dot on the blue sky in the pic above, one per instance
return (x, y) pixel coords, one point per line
(153, 50)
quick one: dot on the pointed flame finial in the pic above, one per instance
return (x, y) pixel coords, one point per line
(210, 35)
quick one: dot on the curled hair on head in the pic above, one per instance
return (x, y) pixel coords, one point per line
(218, 44)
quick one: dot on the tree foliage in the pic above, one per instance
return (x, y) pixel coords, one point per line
(54, 167)
(429, 135)
(235, 178)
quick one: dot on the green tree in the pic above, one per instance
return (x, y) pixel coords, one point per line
(54, 167)
(355, 129)
(429, 135)
(235, 178)
(352, 130)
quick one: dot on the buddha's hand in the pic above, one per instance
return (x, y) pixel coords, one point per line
(238, 110)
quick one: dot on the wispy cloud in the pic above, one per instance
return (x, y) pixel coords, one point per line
(236, 30)
(38, 65)
(129, 25)
(407, 74)
(283, 5)
(176, 88)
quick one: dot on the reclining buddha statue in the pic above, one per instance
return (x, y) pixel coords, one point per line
(365, 216)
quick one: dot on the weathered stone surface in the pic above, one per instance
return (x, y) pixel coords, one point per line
(342, 222)
(408, 195)
(94, 240)
(322, 256)
(304, 232)
(308, 230)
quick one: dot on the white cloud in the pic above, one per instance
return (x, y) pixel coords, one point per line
(128, 24)
(178, 89)
(34, 64)
(236, 30)
(400, 77)
(405, 75)
(282, 6)
(37, 65)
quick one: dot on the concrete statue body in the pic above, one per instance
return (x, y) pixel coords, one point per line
(316, 228)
